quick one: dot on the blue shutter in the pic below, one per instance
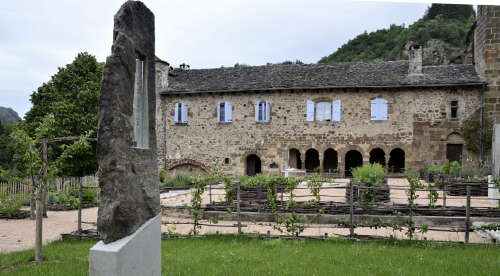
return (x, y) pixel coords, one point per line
(383, 108)
(310, 111)
(336, 111)
(218, 113)
(228, 111)
(257, 111)
(184, 113)
(268, 112)
(176, 113)
(374, 109)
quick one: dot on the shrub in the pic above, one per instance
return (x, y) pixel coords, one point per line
(10, 206)
(89, 195)
(161, 175)
(180, 179)
(370, 174)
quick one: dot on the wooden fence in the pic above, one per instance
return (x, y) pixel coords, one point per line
(61, 184)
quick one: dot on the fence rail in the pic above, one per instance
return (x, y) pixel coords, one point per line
(60, 184)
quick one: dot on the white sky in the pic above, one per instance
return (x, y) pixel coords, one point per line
(37, 37)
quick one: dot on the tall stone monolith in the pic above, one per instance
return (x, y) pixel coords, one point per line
(128, 219)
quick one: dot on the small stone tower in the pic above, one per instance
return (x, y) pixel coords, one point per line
(487, 56)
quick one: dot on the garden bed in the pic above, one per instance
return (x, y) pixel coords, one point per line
(67, 207)
(19, 215)
(382, 193)
(459, 188)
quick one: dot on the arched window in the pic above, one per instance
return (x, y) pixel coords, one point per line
(397, 160)
(253, 165)
(312, 160)
(377, 155)
(330, 160)
(353, 159)
(379, 110)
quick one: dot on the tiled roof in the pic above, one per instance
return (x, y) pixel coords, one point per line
(311, 76)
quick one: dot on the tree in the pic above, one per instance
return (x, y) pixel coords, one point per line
(67, 105)
(449, 11)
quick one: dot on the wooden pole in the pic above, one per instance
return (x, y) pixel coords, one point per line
(39, 207)
(351, 209)
(238, 206)
(80, 196)
(444, 195)
(467, 216)
(210, 192)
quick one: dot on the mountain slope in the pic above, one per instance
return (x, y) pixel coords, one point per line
(8, 115)
(442, 31)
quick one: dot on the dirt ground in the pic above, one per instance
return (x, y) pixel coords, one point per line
(20, 234)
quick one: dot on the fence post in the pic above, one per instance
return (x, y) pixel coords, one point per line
(351, 210)
(80, 196)
(210, 192)
(444, 195)
(467, 216)
(238, 206)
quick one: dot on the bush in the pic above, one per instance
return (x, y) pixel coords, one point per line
(10, 206)
(370, 174)
(162, 175)
(180, 179)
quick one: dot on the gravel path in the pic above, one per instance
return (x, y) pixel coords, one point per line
(19, 234)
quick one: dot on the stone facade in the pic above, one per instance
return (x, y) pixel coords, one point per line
(487, 55)
(419, 118)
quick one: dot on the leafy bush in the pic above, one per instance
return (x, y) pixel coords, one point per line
(370, 174)
(161, 175)
(180, 179)
(89, 195)
(10, 206)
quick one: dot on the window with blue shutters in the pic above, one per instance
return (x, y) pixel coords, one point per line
(262, 111)
(225, 112)
(379, 108)
(324, 111)
(181, 113)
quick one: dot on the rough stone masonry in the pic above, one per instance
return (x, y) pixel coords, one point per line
(126, 148)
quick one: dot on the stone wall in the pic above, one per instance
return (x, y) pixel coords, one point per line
(419, 123)
(487, 55)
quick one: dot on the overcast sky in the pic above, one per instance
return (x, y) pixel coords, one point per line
(37, 37)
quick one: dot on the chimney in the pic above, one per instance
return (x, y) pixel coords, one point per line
(415, 52)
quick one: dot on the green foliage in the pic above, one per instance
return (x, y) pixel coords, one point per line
(180, 179)
(369, 174)
(162, 175)
(471, 128)
(11, 205)
(449, 11)
(388, 44)
(71, 197)
(67, 105)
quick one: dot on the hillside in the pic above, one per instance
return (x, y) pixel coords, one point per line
(442, 31)
(8, 115)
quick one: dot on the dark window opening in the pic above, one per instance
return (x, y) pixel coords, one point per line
(222, 112)
(312, 160)
(377, 156)
(294, 160)
(397, 161)
(253, 165)
(226, 161)
(330, 161)
(454, 109)
(353, 159)
(273, 165)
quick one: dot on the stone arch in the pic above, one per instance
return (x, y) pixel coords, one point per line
(294, 159)
(353, 159)
(253, 165)
(330, 160)
(397, 160)
(312, 160)
(377, 155)
(186, 165)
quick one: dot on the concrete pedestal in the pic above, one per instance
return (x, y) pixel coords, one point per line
(137, 254)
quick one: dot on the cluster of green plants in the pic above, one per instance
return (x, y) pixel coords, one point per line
(455, 170)
(71, 197)
(11, 205)
(412, 196)
(369, 175)
(179, 179)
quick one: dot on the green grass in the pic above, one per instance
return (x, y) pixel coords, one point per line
(229, 255)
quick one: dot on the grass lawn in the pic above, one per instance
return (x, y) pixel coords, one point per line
(230, 255)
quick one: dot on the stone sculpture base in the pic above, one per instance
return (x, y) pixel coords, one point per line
(136, 254)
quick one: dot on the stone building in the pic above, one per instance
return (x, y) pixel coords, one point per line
(326, 117)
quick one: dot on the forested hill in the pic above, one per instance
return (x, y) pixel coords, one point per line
(8, 115)
(442, 30)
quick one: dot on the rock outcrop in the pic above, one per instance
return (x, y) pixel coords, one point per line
(126, 133)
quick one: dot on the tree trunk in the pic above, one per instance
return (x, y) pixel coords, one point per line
(38, 227)
(45, 201)
(32, 200)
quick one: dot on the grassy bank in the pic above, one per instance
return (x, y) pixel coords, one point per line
(250, 256)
